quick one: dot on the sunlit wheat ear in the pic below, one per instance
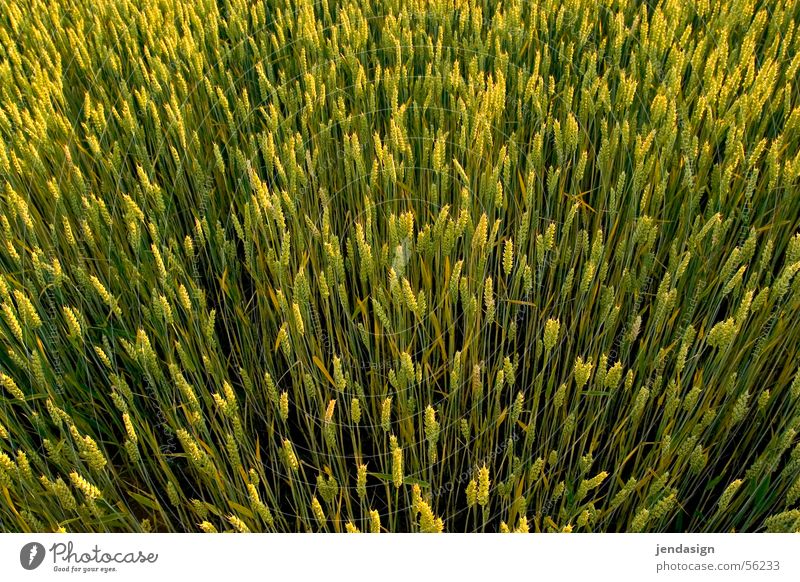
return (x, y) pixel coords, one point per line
(431, 431)
(793, 494)
(289, 456)
(728, 494)
(259, 507)
(640, 521)
(298, 318)
(13, 323)
(319, 513)
(784, 522)
(482, 492)
(238, 524)
(283, 406)
(535, 470)
(428, 522)
(551, 334)
(613, 376)
(355, 411)
(663, 508)
(271, 389)
(564, 300)
(73, 323)
(374, 521)
(589, 484)
(90, 491)
(106, 297)
(30, 318)
(517, 408)
(397, 462)
(328, 426)
(559, 396)
(416, 498)
(7, 468)
(472, 493)
(582, 370)
(558, 491)
(11, 387)
(508, 257)
(522, 526)
(386, 414)
(488, 300)
(88, 450)
(361, 481)
(465, 430)
(477, 383)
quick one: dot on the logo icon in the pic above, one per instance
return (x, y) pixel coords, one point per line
(32, 555)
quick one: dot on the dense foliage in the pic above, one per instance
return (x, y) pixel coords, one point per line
(399, 266)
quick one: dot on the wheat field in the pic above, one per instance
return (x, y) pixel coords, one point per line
(383, 266)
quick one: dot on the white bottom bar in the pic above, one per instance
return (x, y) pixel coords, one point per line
(400, 557)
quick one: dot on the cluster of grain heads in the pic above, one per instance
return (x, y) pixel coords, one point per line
(233, 298)
(428, 522)
(374, 521)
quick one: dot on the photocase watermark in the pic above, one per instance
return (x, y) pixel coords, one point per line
(468, 473)
(625, 332)
(204, 195)
(167, 447)
(53, 336)
(66, 558)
